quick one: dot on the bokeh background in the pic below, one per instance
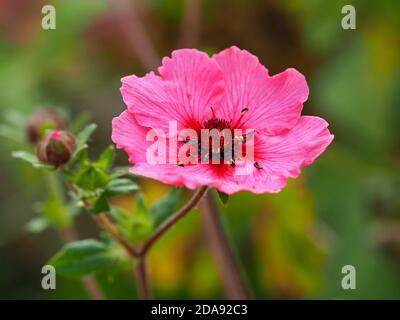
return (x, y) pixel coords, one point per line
(344, 209)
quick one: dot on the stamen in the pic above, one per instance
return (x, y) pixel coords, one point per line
(213, 112)
(232, 163)
(244, 110)
(181, 164)
(242, 113)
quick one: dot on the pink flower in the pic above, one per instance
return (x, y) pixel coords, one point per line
(232, 90)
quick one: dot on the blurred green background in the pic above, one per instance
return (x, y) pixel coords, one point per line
(344, 209)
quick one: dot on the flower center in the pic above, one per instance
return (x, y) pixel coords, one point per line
(217, 123)
(226, 141)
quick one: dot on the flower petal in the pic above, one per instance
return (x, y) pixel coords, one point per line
(128, 135)
(274, 103)
(191, 176)
(190, 84)
(199, 82)
(149, 98)
(281, 157)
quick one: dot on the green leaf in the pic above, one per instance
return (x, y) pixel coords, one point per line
(121, 186)
(11, 133)
(122, 217)
(141, 206)
(141, 228)
(84, 157)
(223, 197)
(81, 258)
(32, 159)
(91, 178)
(166, 206)
(101, 204)
(37, 225)
(135, 226)
(143, 222)
(114, 188)
(82, 138)
(106, 159)
(27, 156)
(119, 172)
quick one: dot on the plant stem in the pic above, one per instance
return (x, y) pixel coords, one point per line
(108, 226)
(190, 27)
(174, 219)
(142, 279)
(225, 259)
(92, 288)
(68, 234)
(134, 31)
(141, 254)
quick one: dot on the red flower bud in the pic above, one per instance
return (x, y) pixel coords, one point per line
(43, 120)
(56, 148)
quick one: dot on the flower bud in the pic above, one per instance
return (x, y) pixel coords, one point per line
(56, 148)
(43, 120)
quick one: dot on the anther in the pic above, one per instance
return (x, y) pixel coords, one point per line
(181, 164)
(232, 163)
(242, 113)
(257, 165)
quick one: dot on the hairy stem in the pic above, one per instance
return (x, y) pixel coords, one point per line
(218, 243)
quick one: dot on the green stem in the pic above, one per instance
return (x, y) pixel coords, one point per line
(64, 222)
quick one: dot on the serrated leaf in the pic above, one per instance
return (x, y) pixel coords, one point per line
(166, 206)
(106, 159)
(223, 197)
(82, 258)
(121, 186)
